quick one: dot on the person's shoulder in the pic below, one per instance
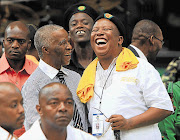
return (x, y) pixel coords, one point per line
(71, 72)
(26, 136)
(32, 58)
(144, 68)
(31, 63)
(144, 63)
(36, 74)
(77, 133)
(35, 132)
(34, 78)
(5, 135)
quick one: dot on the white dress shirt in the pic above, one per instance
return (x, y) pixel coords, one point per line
(49, 70)
(5, 135)
(36, 133)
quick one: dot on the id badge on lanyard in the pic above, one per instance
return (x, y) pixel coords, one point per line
(97, 124)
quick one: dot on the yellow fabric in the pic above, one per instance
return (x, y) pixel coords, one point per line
(32, 58)
(125, 61)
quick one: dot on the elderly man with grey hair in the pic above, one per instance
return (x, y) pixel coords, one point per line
(54, 50)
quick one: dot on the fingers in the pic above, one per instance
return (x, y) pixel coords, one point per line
(117, 122)
(115, 118)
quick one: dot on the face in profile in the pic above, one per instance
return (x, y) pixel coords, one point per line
(105, 39)
(11, 109)
(56, 105)
(16, 42)
(80, 26)
(158, 43)
(60, 49)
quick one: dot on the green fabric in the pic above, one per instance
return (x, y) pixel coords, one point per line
(170, 126)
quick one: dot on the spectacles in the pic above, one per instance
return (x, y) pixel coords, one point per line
(162, 41)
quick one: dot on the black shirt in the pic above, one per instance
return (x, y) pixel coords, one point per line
(74, 64)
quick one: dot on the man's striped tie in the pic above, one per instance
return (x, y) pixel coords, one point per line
(60, 75)
(76, 117)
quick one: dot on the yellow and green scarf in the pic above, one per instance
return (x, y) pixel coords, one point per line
(125, 61)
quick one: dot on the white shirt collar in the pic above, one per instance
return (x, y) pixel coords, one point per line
(5, 135)
(37, 128)
(49, 70)
(104, 77)
(141, 54)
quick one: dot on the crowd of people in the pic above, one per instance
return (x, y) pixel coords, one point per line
(78, 82)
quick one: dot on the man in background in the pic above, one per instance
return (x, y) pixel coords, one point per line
(14, 66)
(32, 53)
(11, 110)
(78, 20)
(147, 40)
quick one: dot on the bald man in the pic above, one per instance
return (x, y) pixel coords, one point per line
(16, 68)
(56, 109)
(11, 110)
(147, 40)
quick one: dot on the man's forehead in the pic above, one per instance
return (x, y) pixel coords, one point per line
(61, 33)
(15, 28)
(7, 97)
(58, 94)
(55, 92)
(81, 16)
(16, 31)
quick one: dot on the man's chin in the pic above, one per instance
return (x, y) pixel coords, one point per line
(15, 58)
(82, 43)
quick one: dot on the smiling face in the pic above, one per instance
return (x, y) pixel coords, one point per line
(105, 39)
(60, 49)
(80, 26)
(11, 109)
(16, 41)
(56, 105)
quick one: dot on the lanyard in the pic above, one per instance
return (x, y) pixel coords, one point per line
(100, 97)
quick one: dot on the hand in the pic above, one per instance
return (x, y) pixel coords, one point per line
(118, 122)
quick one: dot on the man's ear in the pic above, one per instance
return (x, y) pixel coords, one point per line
(29, 44)
(151, 40)
(38, 108)
(45, 50)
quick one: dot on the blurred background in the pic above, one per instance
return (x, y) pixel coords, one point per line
(41, 12)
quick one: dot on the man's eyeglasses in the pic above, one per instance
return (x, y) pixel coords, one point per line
(162, 41)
